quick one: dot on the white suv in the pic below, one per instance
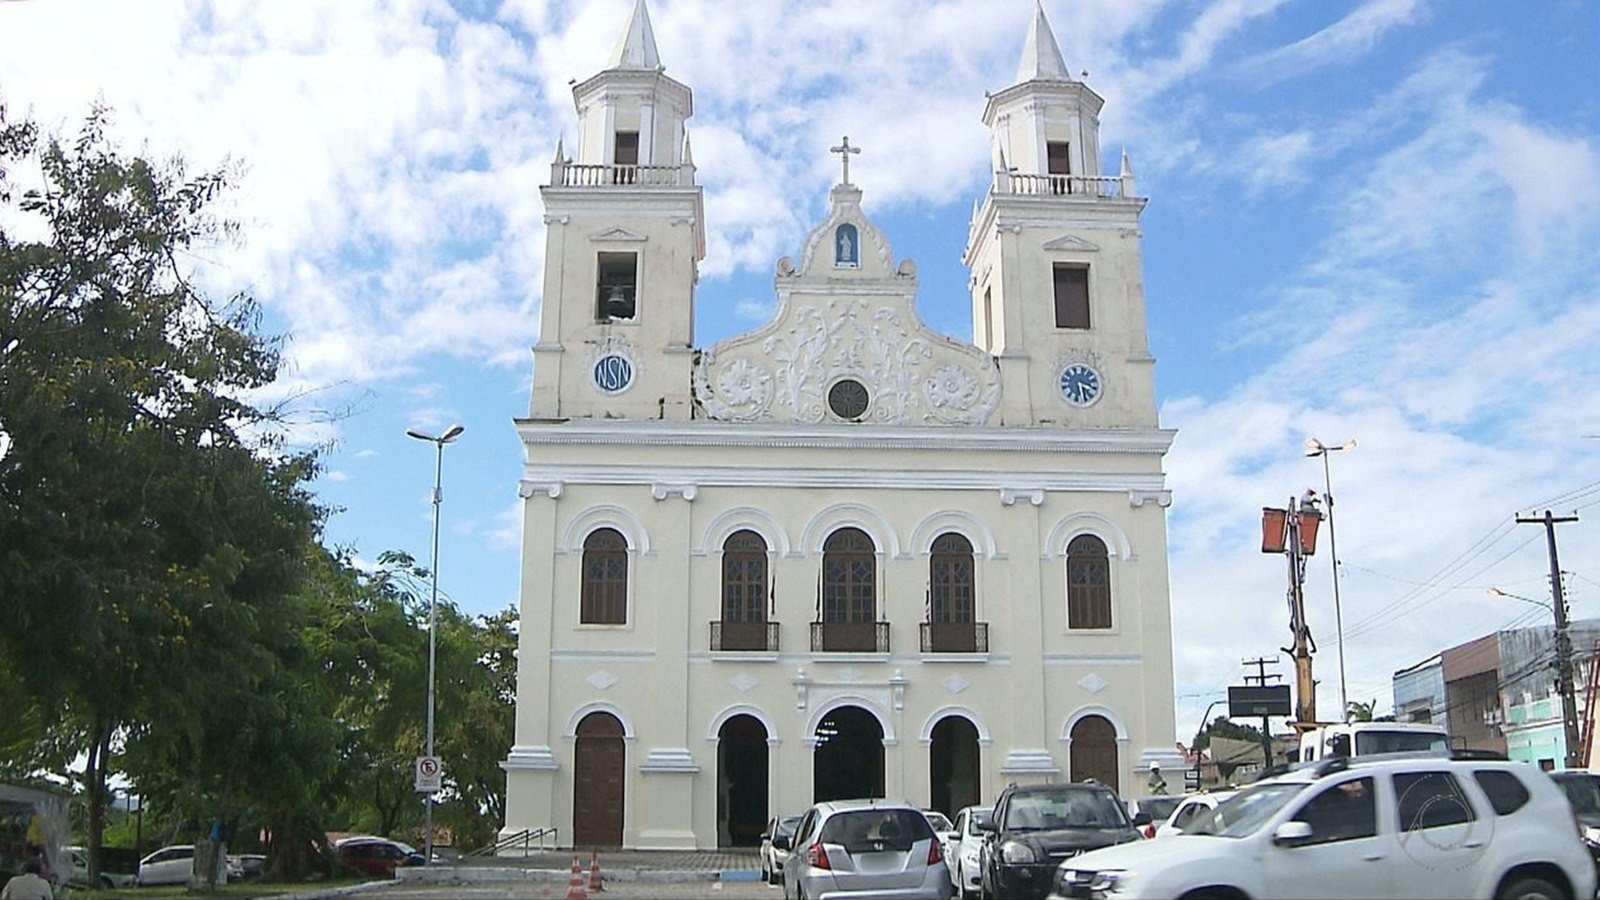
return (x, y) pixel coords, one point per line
(1365, 827)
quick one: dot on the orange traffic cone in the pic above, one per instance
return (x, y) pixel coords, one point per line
(595, 884)
(575, 885)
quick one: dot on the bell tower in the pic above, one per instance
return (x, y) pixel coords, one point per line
(1053, 248)
(625, 235)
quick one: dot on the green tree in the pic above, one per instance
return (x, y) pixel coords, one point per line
(150, 521)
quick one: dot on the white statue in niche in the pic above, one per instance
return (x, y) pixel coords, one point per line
(847, 246)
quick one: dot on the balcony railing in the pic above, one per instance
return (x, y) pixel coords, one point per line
(955, 637)
(850, 637)
(761, 637)
(564, 174)
(1086, 186)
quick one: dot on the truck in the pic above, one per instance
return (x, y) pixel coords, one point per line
(1368, 738)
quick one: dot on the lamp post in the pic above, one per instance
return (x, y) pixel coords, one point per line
(1564, 679)
(450, 434)
(1315, 447)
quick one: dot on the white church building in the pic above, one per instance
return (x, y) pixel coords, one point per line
(843, 554)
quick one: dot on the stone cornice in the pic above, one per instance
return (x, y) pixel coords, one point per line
(945, 439)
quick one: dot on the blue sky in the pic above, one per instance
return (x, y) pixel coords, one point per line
(1376, 220)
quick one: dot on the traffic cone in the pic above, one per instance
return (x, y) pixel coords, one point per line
(595, 884)
(575, 885)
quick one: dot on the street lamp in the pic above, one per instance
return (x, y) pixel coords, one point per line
(1315, 447)
(450, 434)
(1496, 592)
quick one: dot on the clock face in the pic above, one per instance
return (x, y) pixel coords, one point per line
(613, 373)
(1080, 384)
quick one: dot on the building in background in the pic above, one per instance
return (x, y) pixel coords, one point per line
(1499, 692)
(843, 554)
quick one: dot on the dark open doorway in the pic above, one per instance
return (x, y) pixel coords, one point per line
(741, 782)
(848, 761)
(953, 764)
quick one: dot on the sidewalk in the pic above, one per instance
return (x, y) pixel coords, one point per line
(730, 864)
(554, 867)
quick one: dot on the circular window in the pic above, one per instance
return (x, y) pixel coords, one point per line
(848, 399)
(612, 373)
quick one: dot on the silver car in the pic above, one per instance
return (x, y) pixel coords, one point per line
(864, 848)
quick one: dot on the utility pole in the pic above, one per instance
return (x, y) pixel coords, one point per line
(1293, 532)
(1569, 699)
(1260, 679)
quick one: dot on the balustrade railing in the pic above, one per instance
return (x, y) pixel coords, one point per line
(1087, 186)
(748, 636)
(850, 637)
(955, 637)
(570, 175)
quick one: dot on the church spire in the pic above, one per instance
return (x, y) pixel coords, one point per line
(1041, 58)
(637, 47)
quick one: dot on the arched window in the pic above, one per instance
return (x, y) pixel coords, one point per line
(744, 578)
(1088, 583)
(950, 580)
(605, 579)
(849, 577)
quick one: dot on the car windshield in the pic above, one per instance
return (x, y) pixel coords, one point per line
(1583, 792)
(939, 822)
(976, 816)
(1056, 810)
(1159, 807)
(1370, 742)
(1246, 811)
(876, 830)
(786, 825)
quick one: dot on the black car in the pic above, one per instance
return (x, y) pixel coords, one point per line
(1583, 792)
(1035, 827)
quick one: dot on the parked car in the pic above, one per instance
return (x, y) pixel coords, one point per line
(963, 851)
(169, 865)
(376, 856)
(247, 865)
(1157, 808)
(1583, 792)
(772, 859)
(1190, 808)
(864, 848)
(1362, 827)
(1035, 827)
(75, 862)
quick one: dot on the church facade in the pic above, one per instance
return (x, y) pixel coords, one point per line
(840, 555)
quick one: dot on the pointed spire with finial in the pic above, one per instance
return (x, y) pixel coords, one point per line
(1041, 57)
(1128, 189)
(637, 47)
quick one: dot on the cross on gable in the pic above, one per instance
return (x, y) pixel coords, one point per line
(844, 150)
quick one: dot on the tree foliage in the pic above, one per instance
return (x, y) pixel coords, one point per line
(171, 615)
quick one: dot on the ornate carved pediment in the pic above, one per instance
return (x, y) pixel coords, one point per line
(847, 344)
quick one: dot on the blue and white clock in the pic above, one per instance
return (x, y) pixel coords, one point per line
(613, 373)
(1080, 384)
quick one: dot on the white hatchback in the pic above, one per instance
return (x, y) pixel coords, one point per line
(1192, 807)
(1363, 827)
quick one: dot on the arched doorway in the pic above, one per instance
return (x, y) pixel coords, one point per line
(953, 764)
(848, 761)
(741, 782)
(1094, 751)
(599, 761)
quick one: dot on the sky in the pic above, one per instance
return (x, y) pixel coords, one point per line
(1375, 220)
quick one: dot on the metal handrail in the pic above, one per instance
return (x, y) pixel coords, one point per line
(525, 837)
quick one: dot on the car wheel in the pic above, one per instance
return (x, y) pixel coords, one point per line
(1531, 889)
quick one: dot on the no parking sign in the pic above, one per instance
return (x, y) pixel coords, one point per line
(429, 775)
